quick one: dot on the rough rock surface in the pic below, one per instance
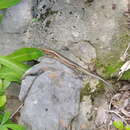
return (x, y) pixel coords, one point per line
(54, 98)
(17, 18)
(104, 21)
(63, 23)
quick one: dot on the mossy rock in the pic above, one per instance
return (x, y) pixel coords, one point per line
(87, 91)
(111, 70)
(108, 66)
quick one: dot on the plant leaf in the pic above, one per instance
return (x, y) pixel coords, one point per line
(2, 90)
(8, 3)
(127, 127)
(15, 127)
(2, 100)
(3, 128)
(5, 117)
(118, 124)
(13, 65)
(1, 84)
(26, 54)
(6, 84)
(9, 75)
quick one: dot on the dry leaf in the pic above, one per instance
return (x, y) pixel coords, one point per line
(124, 68)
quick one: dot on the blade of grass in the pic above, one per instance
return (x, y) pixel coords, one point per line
(13, 65)
(8, 3)
(26, 54)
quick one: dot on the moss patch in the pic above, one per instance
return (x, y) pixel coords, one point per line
(86, 91)
(109, 65)
(108, 70)
(111, 70)
(126, 75)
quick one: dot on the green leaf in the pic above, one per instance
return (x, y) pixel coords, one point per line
(9, 75)
(1, 17)
(13, 65)
(127, 127)
(3, 127)
(2, 100)
(118, 124)
(35, 20)
(2, 90)
(5, 117)
(8, 3)
(15, 127)
(26, 54)
(3, 85)
(6, 84)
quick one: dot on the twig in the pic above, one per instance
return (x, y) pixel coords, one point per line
(122, 118)
(18, 109)
(124, 56)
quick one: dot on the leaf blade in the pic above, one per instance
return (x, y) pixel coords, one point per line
(15, 127)
(13, 65)
(26, 54)
(2, 100)
(5, 117)
(8, 3)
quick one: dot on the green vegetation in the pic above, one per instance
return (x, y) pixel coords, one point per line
(6, 124)
(120, 126)
(12, 68)
(87, 90)
(109, 64)
(8, 3)
(111, 68)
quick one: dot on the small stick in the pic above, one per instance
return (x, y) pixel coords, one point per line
(123, 119)
(18, 109)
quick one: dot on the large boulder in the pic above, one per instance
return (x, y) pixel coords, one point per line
(62, 24)
(54, 98)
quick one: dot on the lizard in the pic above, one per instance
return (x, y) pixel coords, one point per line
(72, 64)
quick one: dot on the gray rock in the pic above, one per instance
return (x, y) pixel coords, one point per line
(17, 17)
(64, 23)
(41, 7)
(105, 23)
(54, 98)
(82, 122)
(10, 42)
(75, 22)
